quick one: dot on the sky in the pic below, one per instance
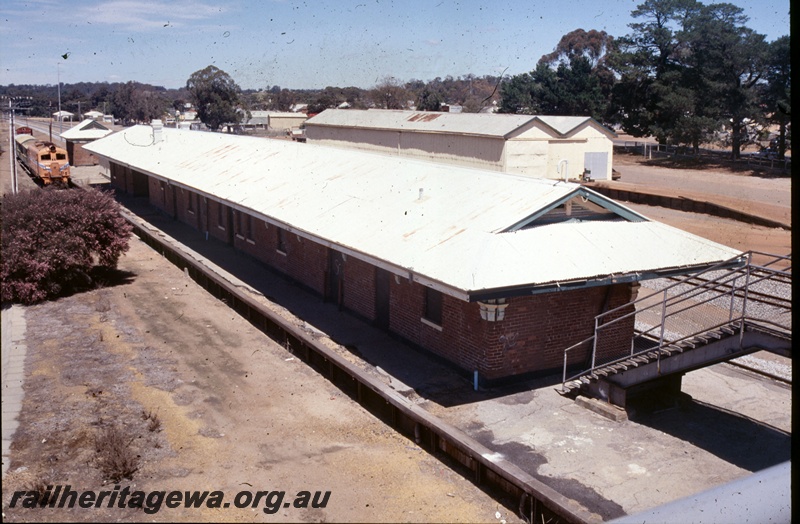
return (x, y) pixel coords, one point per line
(303, 44)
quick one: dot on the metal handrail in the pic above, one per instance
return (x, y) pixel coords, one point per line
(752, 274)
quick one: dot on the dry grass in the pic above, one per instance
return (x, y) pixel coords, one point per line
(114, 456)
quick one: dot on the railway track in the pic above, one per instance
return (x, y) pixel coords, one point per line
(762, 373)
(767, 298)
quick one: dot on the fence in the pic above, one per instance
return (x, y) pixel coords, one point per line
(652, 150)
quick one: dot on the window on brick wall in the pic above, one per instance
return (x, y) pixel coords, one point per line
(220, 215)
(190, 203)
(281, 243)
(248, 227)
(433, 306)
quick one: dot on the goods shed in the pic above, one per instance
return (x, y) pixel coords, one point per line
(280, 121)
(497, 276)
(537, 146)
(78, 136)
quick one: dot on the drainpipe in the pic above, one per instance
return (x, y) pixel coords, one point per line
(566, 170)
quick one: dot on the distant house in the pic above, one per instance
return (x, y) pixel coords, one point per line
(273, 120)
(85, 132)
(94, 115)
(63, 115)
(556, 147)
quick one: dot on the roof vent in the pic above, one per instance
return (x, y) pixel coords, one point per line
(158, 127)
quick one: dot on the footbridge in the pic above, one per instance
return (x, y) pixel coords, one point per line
(727, 311)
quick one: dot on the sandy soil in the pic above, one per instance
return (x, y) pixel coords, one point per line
(235, 412)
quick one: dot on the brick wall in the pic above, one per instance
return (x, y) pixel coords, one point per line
(531, 338)
(359, 287)
(78, 156)
(218, 216)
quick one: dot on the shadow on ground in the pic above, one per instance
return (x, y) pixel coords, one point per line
(734, 438)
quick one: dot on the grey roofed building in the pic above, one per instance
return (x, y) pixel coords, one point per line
(533, 145)
(463, 230)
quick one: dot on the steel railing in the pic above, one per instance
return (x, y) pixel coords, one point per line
(687, 309)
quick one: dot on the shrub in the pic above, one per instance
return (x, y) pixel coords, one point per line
(114, 456)
(52, 239)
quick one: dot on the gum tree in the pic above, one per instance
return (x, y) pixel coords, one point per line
(215, 96)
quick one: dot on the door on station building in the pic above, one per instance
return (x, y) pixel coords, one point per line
(382, 281)
(229, 223)
(141, 185)
(335, 276)
(597, 163)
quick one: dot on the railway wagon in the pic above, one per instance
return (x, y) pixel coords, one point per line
(44, 160)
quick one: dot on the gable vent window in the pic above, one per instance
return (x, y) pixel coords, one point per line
(579, 206)
(575, 210)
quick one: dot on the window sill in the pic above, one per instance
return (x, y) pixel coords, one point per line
(278, 251)
(240, 237)
(427, 322)
(250, 241)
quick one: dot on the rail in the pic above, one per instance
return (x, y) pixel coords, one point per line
(693, 306)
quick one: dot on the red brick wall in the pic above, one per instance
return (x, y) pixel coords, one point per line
(359, 287)
(538, 328)
(532, 337)
(121, 178)
(218, 225)
(304, 261)
(78, 156)
(158, 193)
(193, 217)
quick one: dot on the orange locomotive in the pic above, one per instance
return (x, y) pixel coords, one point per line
(44, 160)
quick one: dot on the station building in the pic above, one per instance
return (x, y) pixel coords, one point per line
(557, 147)
(494, 273)
(78, 136)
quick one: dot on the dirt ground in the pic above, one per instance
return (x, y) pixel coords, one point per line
(210, 403)
(234, 411)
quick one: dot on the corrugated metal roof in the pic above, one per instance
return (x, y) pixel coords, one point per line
(483, 124)
(438, 224)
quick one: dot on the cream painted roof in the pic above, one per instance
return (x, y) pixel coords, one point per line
(438, 224)
(483, 124)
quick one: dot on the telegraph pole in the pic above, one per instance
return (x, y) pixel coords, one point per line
(60, 116)
(14, 103)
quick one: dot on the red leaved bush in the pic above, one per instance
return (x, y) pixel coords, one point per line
(53, 238)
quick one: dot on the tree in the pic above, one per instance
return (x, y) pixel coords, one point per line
(776, 93)
(135, 102)
(687, 71)
(728, 60)
(52, 240)
(429, 100)
(215, 96)
(573, 80)
(390, 94)
(516, 95)
(593, 45)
